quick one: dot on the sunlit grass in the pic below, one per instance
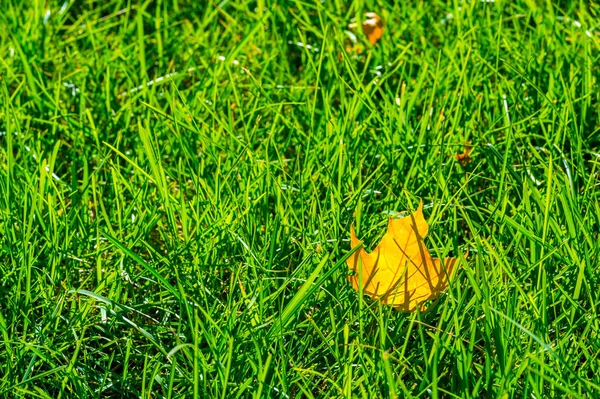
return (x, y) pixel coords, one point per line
(179, 180)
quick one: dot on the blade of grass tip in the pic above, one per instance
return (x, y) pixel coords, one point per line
(171, 379)
(490, 147)
(73, 357)
(243, 43)
(31, 82)
(304, 291)
(184, 125)
(114, 304)
(141, 46)
(126, 361)
(227, 370)
(262, 379)
(144, 378)
(196, 363)
(586, 384)
(144, 264)
(307, 289)
(40, 376)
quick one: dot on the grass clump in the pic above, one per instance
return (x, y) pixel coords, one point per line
(178, 180)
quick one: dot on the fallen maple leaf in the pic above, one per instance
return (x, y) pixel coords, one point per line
(400, 272)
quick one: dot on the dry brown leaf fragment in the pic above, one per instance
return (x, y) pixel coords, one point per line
(400, 271)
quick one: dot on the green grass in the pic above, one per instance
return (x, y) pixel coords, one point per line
(178, 180)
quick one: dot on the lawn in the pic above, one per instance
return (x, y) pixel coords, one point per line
(179, 179)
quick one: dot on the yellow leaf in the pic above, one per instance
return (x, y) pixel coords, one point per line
(400, 272)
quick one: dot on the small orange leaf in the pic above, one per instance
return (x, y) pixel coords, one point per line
(373, 27)
(400, 272)
(465, 158)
